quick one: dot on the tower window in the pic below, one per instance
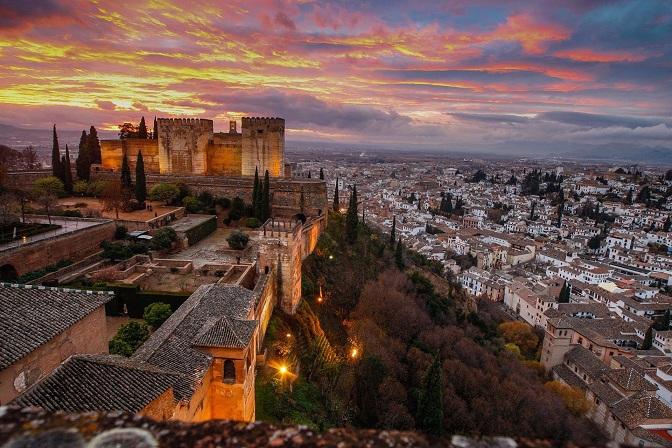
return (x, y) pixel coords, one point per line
(229, 371)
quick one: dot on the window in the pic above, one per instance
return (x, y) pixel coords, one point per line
(580, 340)
(229, 371)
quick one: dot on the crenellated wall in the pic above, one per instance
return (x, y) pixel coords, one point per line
(225, 154)
(263, 146)
(112, 152)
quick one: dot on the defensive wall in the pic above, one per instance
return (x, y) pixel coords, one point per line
(263, 144)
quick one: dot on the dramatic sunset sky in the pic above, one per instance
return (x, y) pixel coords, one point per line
(460, 74)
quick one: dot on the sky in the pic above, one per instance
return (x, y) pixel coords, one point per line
(462, 74)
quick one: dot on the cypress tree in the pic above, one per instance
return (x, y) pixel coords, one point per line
(399, 255)
(352, 218)
(667, 225)
(564, 293)
(61, 170)
(321, 174)
(430, 403)
(94, 146)
(67, 171)
(266, 197)
(449, 204)
(126, 181)
(648, 339)
(256, 196)
(393, 232)
(336, 199)
(662, 323)
(140, 179)
(142, 129)
(55, 156)
(309, 175)
(560, 210)
(155, 134)
(83, 162)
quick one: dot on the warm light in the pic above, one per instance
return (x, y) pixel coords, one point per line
(354, 353)
(283, 370)
(331, 257)
(319, 300)
(289, 335)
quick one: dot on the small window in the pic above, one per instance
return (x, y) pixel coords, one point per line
(229, 371)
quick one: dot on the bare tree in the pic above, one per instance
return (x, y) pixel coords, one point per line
(46, 190)
(113, 197)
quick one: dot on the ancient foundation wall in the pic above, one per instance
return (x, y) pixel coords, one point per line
(263, 146)
(68, 246)
(112, 152)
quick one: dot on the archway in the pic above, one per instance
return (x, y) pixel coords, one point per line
(300, 217)
(229, 374)
(8, 273)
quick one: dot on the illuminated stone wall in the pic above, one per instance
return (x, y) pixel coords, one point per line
(225, 154)
(112, 153)
(263, 146)
(183, 144)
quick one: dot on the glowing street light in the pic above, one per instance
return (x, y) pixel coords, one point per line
(289, 335)
(283, 370)
(354, 353)
(331, 257)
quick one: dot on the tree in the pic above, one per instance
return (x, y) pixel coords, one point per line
(648, 339)
(163, 238)
(83, 162)
(256, 195)
(266, 198)
(127, 130)
(67, 171)
(126, 181)
(393, 232)
(321, 174)
(156, 314)
(29, 156)
(142, 129)
(93, 145)
(667, 225)
(521, 334)
(302, 201)
(309, 175)
(573, 397)
(238, 240)
(534, 205)
(337, 201)
(45, 192)
(595, 242)
(237, 209)
(563, 297)
(164, 192)
(352, 218)
(113, 197)
(561, 208)
(55, 157)
(430, 403)
(140, 179)
(129, 337)
(399, 255)
(155, 133)
(662, 323)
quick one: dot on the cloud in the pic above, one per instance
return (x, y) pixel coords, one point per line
(16, 15)
(283, 20)
(106, 105)
(490, 118)
(597, 120)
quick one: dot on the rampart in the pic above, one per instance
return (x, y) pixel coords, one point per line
(183, 144)
(112, 152)
(263, 146)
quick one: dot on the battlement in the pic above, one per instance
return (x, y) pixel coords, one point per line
(200, 122)
(248, 122)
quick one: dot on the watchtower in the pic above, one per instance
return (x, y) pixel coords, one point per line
(263, 146)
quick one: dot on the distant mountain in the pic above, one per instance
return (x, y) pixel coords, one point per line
(18, 138)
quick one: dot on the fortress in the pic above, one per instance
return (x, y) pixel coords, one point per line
(188, 146)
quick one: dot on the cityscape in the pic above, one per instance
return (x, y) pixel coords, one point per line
(335, 224)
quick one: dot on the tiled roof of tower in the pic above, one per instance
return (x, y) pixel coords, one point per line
(226, 332)
(99, 383)
(30, 316)
(172, 348)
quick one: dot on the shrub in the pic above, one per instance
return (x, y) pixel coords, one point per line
(192, 204)
(129, 337)
(164, 192)
(96, 188)
(115, 250)
(252, 223)
(237, 209)
(206, 199)
(80, 187)
(156, 314)
(81, 205)
(72, 213)
(223, 202)
(238, 240)
(120, 232)
(163, 238)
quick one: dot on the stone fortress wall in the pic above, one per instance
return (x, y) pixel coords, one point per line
(188, 146)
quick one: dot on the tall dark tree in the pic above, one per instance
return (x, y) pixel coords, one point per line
(56, 156)
(648, 339)
(266, 197)
(563, 297)
(561, 208)
(393, 232)
(142, 129)
(534, 205)
(61, 173)
(336, 198)
(140, 179)
(430, 403)
(94, 145)
(155, 134)
(399, 255)
(126, 181)
(309, 175)
(83, 162)
(667, 225)
(67, 171)
(352, 218)
(662, 323)
(321, 174)
(302, 201)
(256, 196)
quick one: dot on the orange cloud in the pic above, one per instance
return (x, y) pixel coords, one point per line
(532, 35)
(588, 55)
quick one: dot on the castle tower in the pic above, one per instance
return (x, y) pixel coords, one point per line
(183, 145)
(233, 129)
(263, 146)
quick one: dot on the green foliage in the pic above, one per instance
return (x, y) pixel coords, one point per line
(336, 205)
(116, 250)
(196, 234)
(156, 314)
(126, 181)
(80, 187)
(96, 188)
(252, 223)
(142, 129)
(67, 171)
(266, 198)
(225, 203)
(393, 232)
(50, 186)
(83, 162)
(369, 375)
(564, 293)
(129, 337)
(192, 204)
(120, 232)
(163, 238)
(238, 240)
(647, 344)
(430, 405)
(399, 255)
(164, 192)
(237, 209)
(55, 156)
(34, 275)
